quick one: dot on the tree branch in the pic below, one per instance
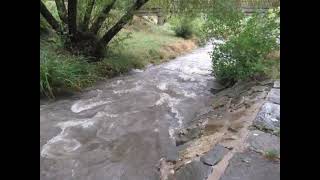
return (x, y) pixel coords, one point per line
(102, 17)
(72, 18)
(107, 37)
(49, 18)
(62, 11)
(87, 14)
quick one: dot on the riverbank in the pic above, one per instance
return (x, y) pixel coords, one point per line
(238, 138)
(138, 45)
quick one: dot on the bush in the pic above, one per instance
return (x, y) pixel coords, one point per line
(183, 28)
(223, 20)
(187, 27)
(245, 55)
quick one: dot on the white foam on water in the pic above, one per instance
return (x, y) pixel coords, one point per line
(137, 70)
(59, 145)
(188, 94)
(62, 144)
(171, 102)
(85, 123)
(162, 86)
(166, 98)
(177, 114)
(274, 120)
(195, 70)
(186, 77)
(125, 91)
(118, 82)
(80, 106)
(111, 125)
(105, 114)
(163, 98)
(171, 133)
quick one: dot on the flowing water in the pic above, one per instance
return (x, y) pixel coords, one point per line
(121, 128)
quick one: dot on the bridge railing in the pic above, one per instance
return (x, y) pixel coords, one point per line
(258, 3)
(251, 6)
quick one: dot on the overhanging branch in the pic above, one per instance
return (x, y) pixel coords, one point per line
(101, 17)
(62, 11)
(107, 37)
(87, 14)
(49, 18)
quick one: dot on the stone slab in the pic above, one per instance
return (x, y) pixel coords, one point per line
(195, 170)
(263, 142)
(274, 96)
(251, 166)
(214, 155)
(268, 117)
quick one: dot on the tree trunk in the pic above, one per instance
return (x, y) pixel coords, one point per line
(49, 18)
(87, 15)
(72, 19)
(62, 11)
(102, 17)
(122, 22)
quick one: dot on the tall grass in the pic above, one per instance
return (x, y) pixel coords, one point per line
(59, 72)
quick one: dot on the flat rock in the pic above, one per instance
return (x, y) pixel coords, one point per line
(214, 155)
(261, 141)
(268, 117)
(276, 84)
(250, 165)
(274, 96)
(195, 170)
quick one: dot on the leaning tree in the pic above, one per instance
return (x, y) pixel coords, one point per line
(82, 24)
(81, 35)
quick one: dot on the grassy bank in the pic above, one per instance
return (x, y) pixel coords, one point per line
(138, 45)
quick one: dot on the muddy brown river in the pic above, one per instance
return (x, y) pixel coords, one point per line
(121, 128)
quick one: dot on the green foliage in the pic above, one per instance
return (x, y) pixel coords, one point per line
(181, 7)
(44, 26)
(223, 19)
(245, 54)
(217, 18)
(63, 71)
(186, 26)
(183, 28)
(51, 5)
(119, 42)
(59, 70)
